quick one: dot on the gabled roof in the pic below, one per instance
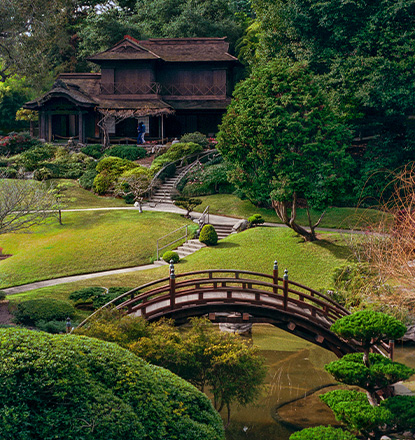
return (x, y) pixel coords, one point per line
(168, 49)
(69, 90)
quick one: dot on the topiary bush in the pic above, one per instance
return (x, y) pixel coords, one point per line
(322, 433)
(73, 387)
(196, 138)
(130, 152)
(171, 255)
(42, 309)
(208, 235)
(256, 219)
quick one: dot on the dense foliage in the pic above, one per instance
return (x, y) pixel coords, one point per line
(91, 298)
(322, 433)
(109, 169)
(79, 388)
(175, 152)
(187, 203)
(32, 311)
(130, 152)
(207, 358)
(284, 142)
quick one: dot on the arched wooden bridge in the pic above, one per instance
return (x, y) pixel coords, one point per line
(248, 296)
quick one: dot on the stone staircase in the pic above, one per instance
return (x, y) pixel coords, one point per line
(163, 194)
(194, 245)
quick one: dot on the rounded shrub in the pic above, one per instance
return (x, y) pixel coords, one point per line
(171, 255)
(2, 295)
(82, 388)
(208, 235)
(322, 433)
(42, 309)
(196, 137)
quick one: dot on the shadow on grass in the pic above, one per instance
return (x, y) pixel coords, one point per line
(226, 244)
(339, 251)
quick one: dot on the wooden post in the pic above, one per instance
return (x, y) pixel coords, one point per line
(172, 286)
(275, 276)
(285, 288)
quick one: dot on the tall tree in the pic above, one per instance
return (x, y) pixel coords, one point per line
(284, 142)
(363, 52)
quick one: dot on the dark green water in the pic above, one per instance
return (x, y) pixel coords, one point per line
(296, 367)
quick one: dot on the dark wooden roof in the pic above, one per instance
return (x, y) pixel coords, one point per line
(167, 49)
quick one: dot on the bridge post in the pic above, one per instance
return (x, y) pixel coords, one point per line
(285, 288)
(172, 284)
(275, 276)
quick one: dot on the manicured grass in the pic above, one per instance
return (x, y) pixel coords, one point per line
(88, 241)
(256, 249)
(73, 196)
(342, 218)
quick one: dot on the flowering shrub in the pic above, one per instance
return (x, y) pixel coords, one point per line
(16, 143)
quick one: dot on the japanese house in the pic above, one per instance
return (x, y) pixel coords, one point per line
(175, 86)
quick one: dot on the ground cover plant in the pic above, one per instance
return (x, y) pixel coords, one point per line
(88, 241)
(75, 388)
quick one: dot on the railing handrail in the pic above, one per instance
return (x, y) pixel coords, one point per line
(199, 155)
(202, 218)
(172, 242)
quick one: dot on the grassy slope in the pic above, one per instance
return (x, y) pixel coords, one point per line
(230, 205)
(256, 249)
(88, 241)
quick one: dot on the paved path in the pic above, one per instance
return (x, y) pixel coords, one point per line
(166, 207)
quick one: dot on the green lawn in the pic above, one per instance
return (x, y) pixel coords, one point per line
(255, 249)
(76, 197)
(88, 241)
(232, 206)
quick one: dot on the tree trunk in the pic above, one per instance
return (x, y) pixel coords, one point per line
(281, 209)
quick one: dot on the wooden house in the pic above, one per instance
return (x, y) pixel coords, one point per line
(175, 86)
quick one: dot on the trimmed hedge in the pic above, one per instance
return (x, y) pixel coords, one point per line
(208, 235)
(73, 387)
(42, 309)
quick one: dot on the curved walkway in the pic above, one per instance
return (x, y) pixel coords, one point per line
(216, 219)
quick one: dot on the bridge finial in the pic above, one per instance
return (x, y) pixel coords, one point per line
(275, 265)
(172, 274)
(285, 277)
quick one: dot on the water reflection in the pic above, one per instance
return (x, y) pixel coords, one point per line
(296, 369)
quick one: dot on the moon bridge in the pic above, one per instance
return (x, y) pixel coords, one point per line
(227, 295)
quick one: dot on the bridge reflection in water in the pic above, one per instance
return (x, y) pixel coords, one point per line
(249, 296)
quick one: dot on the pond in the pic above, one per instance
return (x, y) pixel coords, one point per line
(296, 370)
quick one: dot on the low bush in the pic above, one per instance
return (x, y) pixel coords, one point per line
(42, 174)
(43, 309)
(54, 327)
(86, 181)
(9, 172)
(93, 150)
(322, 433)
(2, 295)
(196, 138)
(208, 179)
(16, 143)
(256, 219)
(130, 152)
(109, 169)
(175, 152)
(171, 256)
(38, 154)
(95, 297)
(208, 235)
